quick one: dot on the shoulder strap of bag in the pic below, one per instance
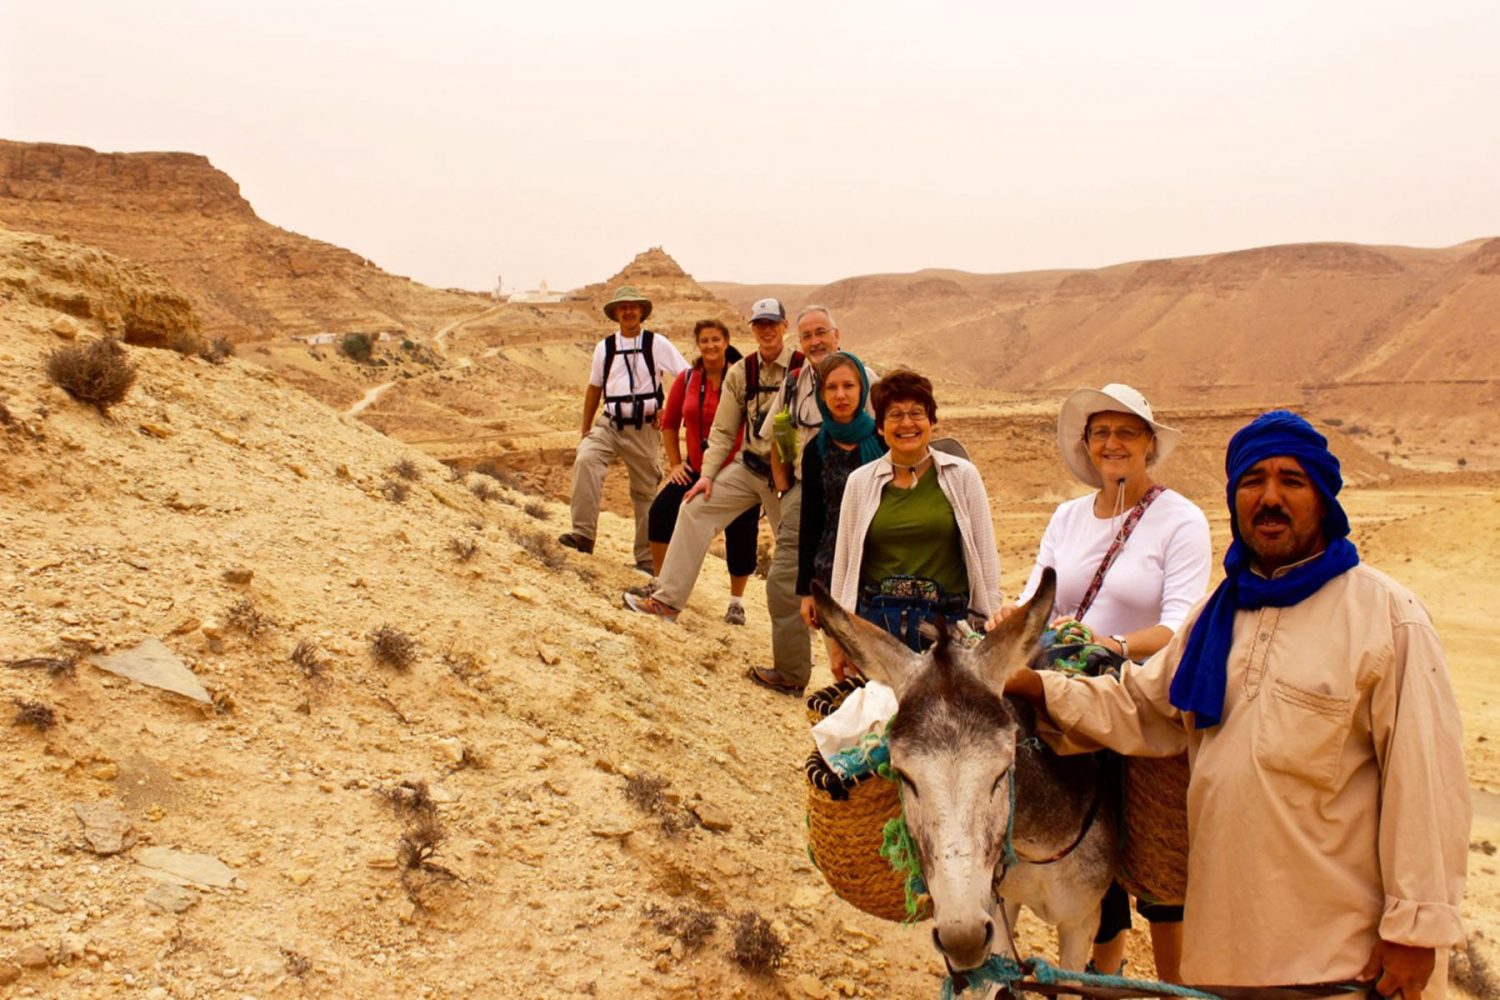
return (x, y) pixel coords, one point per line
(1115, 547)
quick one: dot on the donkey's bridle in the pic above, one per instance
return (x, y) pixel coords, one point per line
(1010, 857)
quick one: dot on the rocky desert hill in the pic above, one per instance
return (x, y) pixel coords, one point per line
(247, 279)
(245, 839)
(1403, 342)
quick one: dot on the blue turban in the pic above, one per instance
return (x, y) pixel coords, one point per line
(1198, 686)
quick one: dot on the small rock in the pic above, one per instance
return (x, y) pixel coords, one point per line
(197, 869)
(807, 897)
(106, 828)
(712, 817)
(239, 575)
(382, 861)
(183, 625)
(31, 956)
(212, 630)
(171, 898)
(52, 901)
(612, 829)
(106, 771)
(9, 973)
(70, 948)
(523, 594)
(548, 654)
(342, 471)
(812, 987)
(156, 430)
(299, 876)
(450, 748)
(153, 664)
(65, 327)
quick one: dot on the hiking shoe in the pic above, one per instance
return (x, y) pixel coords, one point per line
(645, 590)
(574, 540)
(774, 679)
(650, 606)
(647, 567)
(735, 615)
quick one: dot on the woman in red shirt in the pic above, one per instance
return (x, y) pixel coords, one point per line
(691, 403)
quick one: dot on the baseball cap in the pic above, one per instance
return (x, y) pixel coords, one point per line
(771, 309)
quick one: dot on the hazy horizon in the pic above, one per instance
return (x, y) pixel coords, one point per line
(790, 143)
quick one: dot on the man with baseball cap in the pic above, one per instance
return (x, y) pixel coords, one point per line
(630, 367)
(725, 490)
(1328, 804)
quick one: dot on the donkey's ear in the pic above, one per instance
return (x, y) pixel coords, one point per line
(878, 654)
(1011, 643)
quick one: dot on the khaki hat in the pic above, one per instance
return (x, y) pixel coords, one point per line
(1113, 398)
(628, 293)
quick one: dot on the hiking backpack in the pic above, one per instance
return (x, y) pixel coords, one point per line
(643, 347)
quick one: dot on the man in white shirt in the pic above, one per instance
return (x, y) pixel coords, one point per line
(630, 372)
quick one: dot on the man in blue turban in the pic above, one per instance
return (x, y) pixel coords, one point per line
(1328, 804)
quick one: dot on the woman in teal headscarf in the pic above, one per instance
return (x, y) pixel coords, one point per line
(847, 441)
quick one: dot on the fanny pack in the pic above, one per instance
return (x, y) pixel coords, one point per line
(908, 608)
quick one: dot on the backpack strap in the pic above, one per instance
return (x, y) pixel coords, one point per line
(1115, 547)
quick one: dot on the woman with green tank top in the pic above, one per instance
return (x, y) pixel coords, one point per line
(915, 537)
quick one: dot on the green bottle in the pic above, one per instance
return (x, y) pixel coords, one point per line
(784, 435)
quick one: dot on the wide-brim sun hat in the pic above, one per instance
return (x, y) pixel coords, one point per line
(627, 293)
(1113, 398)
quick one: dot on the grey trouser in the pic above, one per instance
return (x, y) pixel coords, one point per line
(737, 489)
(640, 450)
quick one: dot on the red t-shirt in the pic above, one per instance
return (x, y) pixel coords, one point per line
(683, 409)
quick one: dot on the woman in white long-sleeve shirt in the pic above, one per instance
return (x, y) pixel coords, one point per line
(1110, 440)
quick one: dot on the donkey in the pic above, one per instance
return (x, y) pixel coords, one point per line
(964, 754)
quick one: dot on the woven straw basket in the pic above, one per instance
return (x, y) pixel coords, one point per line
(845, 827)
(1154, 865)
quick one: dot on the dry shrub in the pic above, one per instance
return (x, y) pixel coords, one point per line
(185, 342)
(455, 474)
(500, 474)
(540, 545)
(463, 549)
(462, 664)
(217, 351)
(756, 946)
(687, 924)
(33, 713)
(484, 490)
(308, 656)
(422, 836)
(56, 666)
(395, 490)
(96, 373)
(648, 794)
(297, 964)
(536, 509)
(393, 648)
(249, 619)
(1470, 969)
(407, 469)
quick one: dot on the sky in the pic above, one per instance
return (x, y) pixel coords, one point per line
(455, 142)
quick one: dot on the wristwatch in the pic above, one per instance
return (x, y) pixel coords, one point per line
(1124, 645)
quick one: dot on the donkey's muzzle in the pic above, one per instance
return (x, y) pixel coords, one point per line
(964, 945)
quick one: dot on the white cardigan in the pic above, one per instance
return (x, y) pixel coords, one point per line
(960, 483)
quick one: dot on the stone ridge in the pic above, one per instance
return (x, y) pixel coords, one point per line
(151, 182)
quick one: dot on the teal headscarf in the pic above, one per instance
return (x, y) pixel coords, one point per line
(860, 430)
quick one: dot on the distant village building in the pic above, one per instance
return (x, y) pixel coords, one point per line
(541, 294)
(316, 339)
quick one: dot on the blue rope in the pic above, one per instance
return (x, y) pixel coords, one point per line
(1007, 972)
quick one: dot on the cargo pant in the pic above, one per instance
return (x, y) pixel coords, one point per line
(640, 450)
(737, 489)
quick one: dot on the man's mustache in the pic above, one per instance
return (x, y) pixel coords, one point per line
(1272, 515)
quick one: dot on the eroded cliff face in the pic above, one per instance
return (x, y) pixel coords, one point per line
(246, 279)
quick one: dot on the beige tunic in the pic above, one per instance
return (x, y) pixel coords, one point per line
(1330, 806)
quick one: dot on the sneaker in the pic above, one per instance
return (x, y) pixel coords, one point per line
(650, 606)
(735, 615)
(573, 540)
(645, 590)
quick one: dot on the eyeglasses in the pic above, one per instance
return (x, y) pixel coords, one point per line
(1124, 435)
(917, 416)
